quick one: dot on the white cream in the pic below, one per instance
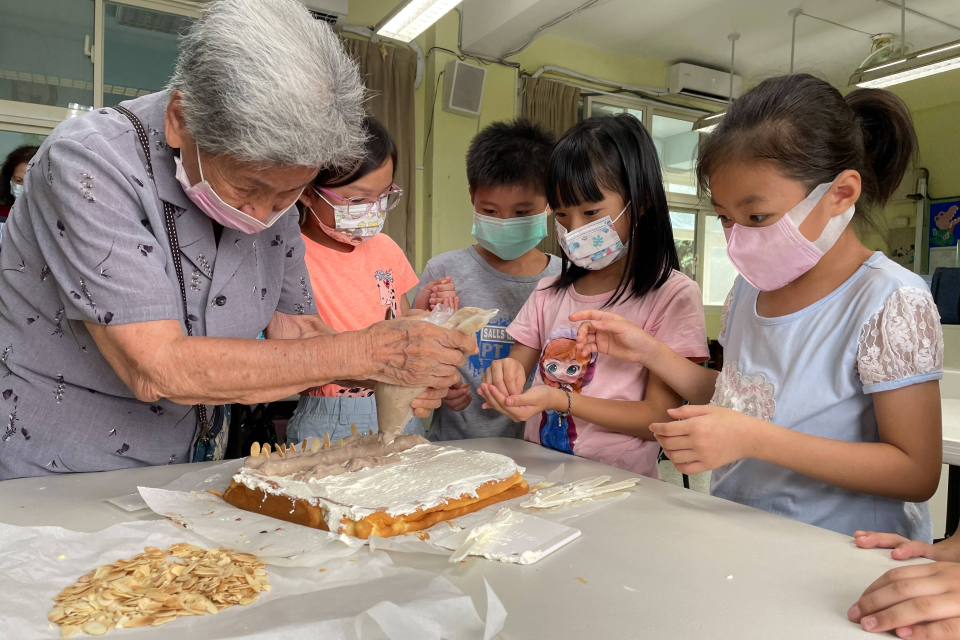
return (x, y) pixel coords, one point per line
(426, 476)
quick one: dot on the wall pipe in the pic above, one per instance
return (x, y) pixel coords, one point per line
(551, 68)
(368, 33)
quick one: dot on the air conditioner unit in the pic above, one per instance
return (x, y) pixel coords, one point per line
(699, 82)
(333, 12)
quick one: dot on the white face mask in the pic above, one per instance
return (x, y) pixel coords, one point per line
(16, 189)
(352, 228)
(595, 245)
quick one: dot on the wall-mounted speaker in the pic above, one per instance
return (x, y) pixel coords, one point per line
(463, 88)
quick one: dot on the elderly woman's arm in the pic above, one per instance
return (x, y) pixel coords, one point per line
(284, 326)
(156, 360)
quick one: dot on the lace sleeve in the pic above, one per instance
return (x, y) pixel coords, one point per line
(902, 343)
(725, 315)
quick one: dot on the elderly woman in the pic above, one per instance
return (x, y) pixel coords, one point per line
(154, 242)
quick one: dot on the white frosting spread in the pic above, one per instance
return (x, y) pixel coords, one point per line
(425, 477)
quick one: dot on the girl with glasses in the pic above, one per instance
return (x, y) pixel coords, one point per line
(359, 276)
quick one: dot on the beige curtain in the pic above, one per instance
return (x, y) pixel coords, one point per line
(388, 73)
(552, 105)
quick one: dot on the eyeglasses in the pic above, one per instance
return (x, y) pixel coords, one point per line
(360, 206)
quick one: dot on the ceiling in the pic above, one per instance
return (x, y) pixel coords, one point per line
(696, 31)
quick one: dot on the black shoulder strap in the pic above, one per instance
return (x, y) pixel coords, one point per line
(170, 218)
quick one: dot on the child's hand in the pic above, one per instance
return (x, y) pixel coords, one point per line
(458, 397)
(521, 407)
(903, 599)
(427, 402)
(613, 335)
(705, 437)
(507, 376)
(904, 549)
(439, 291)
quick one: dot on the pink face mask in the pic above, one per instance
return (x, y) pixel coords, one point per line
(207, 200)
(772, 257)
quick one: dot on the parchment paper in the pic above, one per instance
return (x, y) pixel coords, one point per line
(364, 597)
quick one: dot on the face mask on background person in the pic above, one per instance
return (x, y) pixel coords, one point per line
(510, 238)
(16, 189)
(772, 257)
(207, 200)
(593, 246)
(357, 222)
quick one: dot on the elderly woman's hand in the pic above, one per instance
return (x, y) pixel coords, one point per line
(413, 353)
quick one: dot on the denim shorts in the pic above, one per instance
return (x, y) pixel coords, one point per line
(316, 415)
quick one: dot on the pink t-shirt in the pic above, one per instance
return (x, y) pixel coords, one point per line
(673, 314)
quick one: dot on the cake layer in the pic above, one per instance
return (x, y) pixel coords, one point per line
(417, 481)
(380, 524)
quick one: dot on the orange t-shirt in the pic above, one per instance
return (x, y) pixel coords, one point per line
(353, 290)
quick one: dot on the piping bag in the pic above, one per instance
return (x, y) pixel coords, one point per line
(393, 401)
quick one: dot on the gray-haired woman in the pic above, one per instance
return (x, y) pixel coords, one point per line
(153, 243)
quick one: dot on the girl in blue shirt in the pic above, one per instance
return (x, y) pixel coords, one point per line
(827, 409)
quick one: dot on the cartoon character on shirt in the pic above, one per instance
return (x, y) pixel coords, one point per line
(388, 295)
(563, 367)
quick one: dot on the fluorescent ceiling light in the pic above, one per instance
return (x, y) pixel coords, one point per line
(912, 66)
(708, 123)
(412, 17)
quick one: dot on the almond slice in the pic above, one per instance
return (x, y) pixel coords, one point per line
(255, 449)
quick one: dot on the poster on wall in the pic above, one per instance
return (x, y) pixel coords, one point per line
(944, 218)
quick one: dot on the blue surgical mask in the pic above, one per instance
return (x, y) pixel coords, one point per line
(510, 238)
(16, 189)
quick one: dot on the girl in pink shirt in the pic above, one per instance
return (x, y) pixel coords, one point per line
(605, 188)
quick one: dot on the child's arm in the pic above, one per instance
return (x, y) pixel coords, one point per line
(632, 418)
(920, 601)
(615, 336)
(944, 551)
(510, 374)
(904, 465)
(441, 290)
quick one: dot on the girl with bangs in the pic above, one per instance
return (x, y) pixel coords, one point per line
(606, 191)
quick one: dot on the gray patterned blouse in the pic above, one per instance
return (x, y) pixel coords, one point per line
(86, 243)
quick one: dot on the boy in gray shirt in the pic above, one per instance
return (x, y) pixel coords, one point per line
(506, 170)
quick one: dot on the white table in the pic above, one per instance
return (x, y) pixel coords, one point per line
(950, 411)
(674, 548)
(951, 431)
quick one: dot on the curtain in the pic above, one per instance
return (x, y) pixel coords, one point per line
(552, 105)
(388, 73)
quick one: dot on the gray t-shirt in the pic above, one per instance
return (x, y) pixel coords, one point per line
(480, 285)
(86, 243)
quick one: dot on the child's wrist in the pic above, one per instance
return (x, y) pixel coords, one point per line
(560, 400)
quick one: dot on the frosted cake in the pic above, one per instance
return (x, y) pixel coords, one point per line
(382, 485)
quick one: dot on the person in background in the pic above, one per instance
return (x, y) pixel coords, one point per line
(506, 171)
(11, 179)
(359, 275)
(606, 192)
(827, 409)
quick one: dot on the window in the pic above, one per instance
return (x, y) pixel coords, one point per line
(140, 51)
(10, 140)
(45, 52)
(685, 238)
(676, 144)
(718, 272)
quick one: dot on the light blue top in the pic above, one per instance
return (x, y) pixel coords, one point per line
(814, 371)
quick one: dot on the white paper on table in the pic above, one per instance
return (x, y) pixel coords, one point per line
(365, 597)
(129, 502)
(188, 502)
(512, 536)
